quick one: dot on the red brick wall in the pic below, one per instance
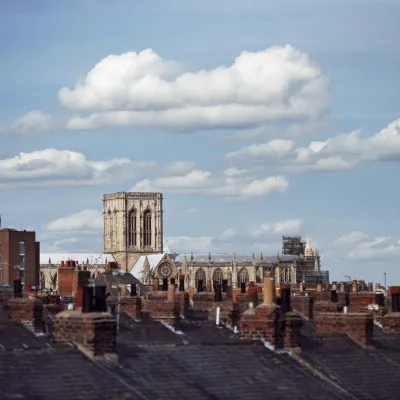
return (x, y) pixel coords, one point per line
(27, 311)
(359, 326)
(65, 278)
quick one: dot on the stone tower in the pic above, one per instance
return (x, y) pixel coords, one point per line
(133, 226)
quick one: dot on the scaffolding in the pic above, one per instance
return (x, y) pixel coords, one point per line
(293, 246)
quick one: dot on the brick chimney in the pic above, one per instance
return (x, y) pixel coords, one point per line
(65, 275)
(26, 311)
(264, 321)
(80, 278)
(358, 326)
(391, 321)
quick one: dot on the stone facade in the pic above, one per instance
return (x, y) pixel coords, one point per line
(230, 267)
(133, 225)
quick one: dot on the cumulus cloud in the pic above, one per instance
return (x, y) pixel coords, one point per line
(335, 154)
(82, 221)
(51, 167)
(143, 89)
(232, 183)
(284, 227)
(358, 245)
(33, 122)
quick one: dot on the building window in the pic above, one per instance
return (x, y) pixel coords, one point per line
(147, 228)
(22, 261)
(132, 228)
(22, 248)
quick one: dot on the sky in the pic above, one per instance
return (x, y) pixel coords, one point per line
(254, 119)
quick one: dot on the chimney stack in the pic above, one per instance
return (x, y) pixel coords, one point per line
(229, 287)
(171, 292)
(124, 290)
(379, 299)
(269, 288)
(346, 302)
(181, 283)
(100, 302)
(133, 290)
(354, 287)
(395, 302)
(165, 284)
(252, 294)
(286, 298)
(17, 288)
(319, 287)
(218, 292)
(87, 306)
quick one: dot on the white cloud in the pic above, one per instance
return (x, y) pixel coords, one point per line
(82, 221)
(232, 183)
(33, 122)
(284, 227)
(335, 154)
(358, 245)
(143, 89)
(188, 244)
(51, 167)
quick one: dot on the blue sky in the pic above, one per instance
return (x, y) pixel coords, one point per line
(254, 120)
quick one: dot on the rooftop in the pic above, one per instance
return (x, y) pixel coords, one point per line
(200, 361)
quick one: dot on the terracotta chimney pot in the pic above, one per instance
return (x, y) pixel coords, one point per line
(171, 292)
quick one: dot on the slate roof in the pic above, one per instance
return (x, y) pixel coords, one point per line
(201, 361)
(108, 279)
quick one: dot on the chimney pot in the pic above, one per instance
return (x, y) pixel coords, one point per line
(171, 292)
(334, 296)
(133, 290)
(286, 298)
(165, 284)
(62, 265)
(379, 299)
(100, 299)
(395, 302)
(87, 306)
(218, 292)
(124, 290)
(269, 288)
(181, 283)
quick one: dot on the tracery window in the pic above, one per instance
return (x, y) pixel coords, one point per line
(147, 228)
(243, 276)
(218, 276)
(200, 276)
(132, 228)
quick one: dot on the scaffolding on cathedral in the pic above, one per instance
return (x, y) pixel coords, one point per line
(293, 246)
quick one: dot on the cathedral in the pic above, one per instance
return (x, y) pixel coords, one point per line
(133, 235)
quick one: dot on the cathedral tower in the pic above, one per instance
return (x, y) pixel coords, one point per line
(133, 226)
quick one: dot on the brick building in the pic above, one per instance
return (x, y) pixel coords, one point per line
(19, 256)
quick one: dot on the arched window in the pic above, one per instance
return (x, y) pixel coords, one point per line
(200, 276)
(132, 228)
(147, 228)
(243, 276)
(218, 276)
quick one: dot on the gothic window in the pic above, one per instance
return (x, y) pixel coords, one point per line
(243, 276)
(132, 228)
(54, 280)
(217, 276)
(111, 226)
(147, 228)
(200, 276)
(165, 270)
